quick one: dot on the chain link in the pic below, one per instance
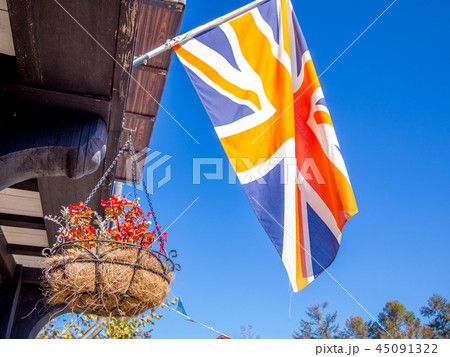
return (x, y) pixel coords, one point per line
(133, 171)
(151, 208)
(134, 167)
(105, 175)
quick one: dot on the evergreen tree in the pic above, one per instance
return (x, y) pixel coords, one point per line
(355, 327)
(396, 322)
(319, 325)
(438, 311)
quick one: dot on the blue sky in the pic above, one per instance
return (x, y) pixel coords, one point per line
(386, 96)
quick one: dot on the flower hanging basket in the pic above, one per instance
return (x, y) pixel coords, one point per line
(110, 270)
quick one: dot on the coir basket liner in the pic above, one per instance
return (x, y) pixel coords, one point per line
(118, 282)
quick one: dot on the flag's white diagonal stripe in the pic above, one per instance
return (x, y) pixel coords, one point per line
(326, 134)
(277, 51)
(318, 205)
(245, 79)
(289, 253)
(216, 87)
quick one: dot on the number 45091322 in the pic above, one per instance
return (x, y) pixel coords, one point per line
(407, 348)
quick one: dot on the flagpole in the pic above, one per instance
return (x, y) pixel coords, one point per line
(190, 34)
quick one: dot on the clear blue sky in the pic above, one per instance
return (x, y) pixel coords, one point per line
(387, 98)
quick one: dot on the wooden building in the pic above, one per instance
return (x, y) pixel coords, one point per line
(66, 93)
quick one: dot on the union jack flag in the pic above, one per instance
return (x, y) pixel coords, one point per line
(256, 79)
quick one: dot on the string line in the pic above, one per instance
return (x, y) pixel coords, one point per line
(191, 319)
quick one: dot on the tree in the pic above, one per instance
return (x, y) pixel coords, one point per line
(319, 324)
(355, 327)
(396, 322)
(438, 311)
(120, 328)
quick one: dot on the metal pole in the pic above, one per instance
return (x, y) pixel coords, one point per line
(179, 40)
(96, 329)
(118, 188)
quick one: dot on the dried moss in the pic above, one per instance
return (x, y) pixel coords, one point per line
(102, 287)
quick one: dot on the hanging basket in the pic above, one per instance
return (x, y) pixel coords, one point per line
(120, 281)
(91, 272)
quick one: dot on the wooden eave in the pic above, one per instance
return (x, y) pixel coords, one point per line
(81, 61)
(158, 21)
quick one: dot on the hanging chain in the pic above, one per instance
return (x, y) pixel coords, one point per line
(134, 168)
(105, 175)
(133, 171)
(151, 208)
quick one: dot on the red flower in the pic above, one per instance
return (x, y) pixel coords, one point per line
(124, 219)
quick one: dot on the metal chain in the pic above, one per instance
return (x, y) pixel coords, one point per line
(105, 175)
(151, 207)
(133, 152)
(133, 167)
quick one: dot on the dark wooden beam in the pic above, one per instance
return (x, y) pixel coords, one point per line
(136, 116)
(29, 250)
(158, 24)
(31, 275)
(58, 99)
(32, 313)
(16, 299)
(28, 185)
(160, 71)
(7, 263)
(161, 24)
(8, 68)
(8, 301)
(23, 302)
(142, 126)
(145, 98)
(159, 20)
(126, 42)
(177, 5)
(14, 220)
(57, 43)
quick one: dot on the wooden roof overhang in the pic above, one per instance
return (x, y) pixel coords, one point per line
(158, 22)
(76, 56)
